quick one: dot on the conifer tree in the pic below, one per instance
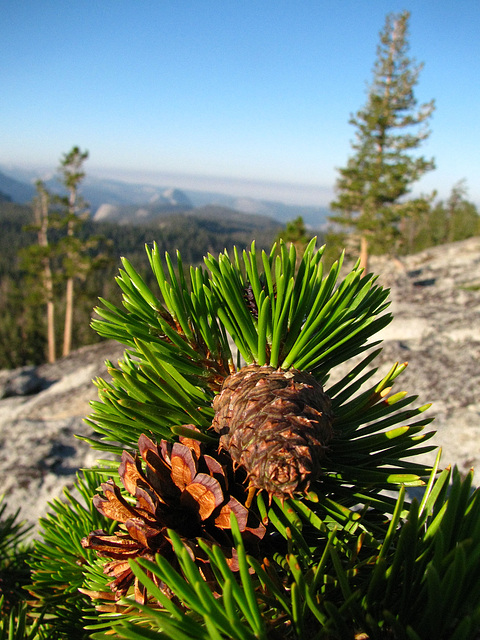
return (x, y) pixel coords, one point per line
(441, 222)
(71, 169)
(295, 233)
(389, 128)
(37, 259)
(461, 216)
(65, 258)
(41, 210)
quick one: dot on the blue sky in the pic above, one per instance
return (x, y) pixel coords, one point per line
(250, 96)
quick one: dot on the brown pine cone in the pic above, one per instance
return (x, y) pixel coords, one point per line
(276, 424)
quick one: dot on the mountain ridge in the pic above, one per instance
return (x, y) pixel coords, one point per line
(105, 191)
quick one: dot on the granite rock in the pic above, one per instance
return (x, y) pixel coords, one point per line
(435, 301)
(39, 453)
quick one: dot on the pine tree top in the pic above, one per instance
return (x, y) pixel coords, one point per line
(389, 128)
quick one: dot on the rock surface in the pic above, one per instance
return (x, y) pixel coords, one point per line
(435, 299)
(41, 411)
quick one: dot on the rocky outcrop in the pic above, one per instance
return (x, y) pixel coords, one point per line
(41, 411)
(435, 299)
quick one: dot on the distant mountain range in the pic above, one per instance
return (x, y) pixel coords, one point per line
(16, 190)
(124, 202)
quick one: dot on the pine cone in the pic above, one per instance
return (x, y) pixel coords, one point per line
(181, 489)
(276, 424)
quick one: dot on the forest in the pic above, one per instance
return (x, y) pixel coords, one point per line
(23, 324)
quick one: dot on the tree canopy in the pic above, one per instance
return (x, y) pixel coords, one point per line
(389, 128)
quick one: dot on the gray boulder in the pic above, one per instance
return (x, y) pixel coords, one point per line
(23, 381)
(435, 301)
(39, 453)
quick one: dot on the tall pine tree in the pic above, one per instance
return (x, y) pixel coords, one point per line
(41, 206)
(389, 128)
(74, 264)
(37, 261)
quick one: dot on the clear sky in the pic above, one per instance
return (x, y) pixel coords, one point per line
(251, 95)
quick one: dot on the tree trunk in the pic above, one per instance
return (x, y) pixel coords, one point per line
(48, 285)
(67, 329)
(71, 168)
(67, 332)
(41, 218)
(51, 331)
(364, 252)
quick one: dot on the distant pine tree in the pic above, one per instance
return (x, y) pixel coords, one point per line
(382, 169)
(71, 169)
(448, 220)
(295, 233)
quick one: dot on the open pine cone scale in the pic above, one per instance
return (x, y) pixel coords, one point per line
(181, 489)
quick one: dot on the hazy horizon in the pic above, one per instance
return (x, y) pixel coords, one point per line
(287, 193)
(309, 195)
